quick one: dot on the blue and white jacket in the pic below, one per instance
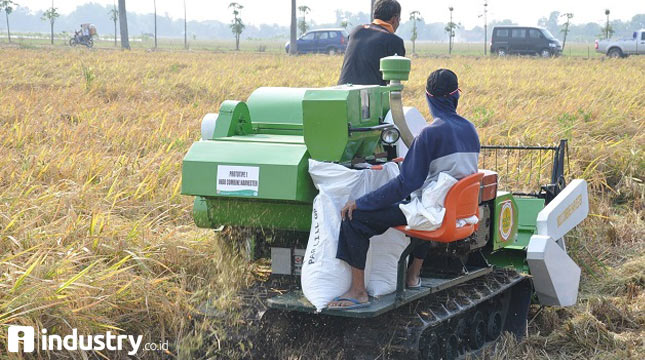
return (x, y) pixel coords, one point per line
(450, 144)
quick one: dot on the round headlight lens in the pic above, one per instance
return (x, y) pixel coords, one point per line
(390, 136)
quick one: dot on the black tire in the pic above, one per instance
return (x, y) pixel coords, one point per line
(89, 43)
(615, 53)
(494, 326)
(72, 42)
(450, 347)
(501, 52)
(461, 329)
(477, 334)
(430, 348)
(546, 53)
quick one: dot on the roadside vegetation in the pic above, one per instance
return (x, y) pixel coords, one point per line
(95, 235)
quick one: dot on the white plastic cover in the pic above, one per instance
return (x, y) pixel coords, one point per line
(416, 122)
(564, 212)
(555, 276)
(325, 277)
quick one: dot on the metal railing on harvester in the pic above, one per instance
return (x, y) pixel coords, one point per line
(536, 171)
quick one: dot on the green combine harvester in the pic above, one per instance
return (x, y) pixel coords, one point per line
(250, 170)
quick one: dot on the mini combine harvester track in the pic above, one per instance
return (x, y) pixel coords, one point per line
(250, 171)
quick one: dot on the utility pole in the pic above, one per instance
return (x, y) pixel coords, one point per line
(607, 25)
(123, 23)
(485, 26)
(154, 2)
(185, 28)
(293, 43)
(450, 31)
(566, 29)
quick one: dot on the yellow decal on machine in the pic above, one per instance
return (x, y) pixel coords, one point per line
(569, 210)
(506, 220)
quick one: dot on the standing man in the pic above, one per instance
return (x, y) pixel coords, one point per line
(369, 43)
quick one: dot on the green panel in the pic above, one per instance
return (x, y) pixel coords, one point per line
(504, 220)
(283, 168)
(528, 209)
(507, 257)
(325, 124)
(276, 105)
(329, 112)
(214, 212)
(233, 119)
(267, 138)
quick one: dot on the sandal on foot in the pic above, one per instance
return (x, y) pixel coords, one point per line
(416, 286)
(357, 304)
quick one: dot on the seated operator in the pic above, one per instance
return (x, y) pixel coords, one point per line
(450, 144)
(369, 43)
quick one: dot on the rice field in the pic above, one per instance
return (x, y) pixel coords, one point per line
(95, 235)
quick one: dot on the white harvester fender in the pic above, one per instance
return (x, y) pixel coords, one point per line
(556, 276)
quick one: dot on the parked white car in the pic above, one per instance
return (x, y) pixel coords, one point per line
(623, 48)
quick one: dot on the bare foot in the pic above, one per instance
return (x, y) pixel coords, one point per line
(360, 296)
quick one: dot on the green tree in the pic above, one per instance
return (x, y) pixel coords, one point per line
(415, 16)
(237, 26)
(345, 23)
(7, 6)
(51, 15)
(450, 29)
(114, 17)
(565, 29)
(302, 25)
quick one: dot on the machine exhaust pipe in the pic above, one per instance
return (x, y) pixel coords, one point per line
(396, 107)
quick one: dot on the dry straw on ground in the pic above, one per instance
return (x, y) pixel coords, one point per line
(95, 235)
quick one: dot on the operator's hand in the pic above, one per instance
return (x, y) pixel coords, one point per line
(348, 209)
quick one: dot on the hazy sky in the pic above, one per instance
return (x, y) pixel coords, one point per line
(323, 11)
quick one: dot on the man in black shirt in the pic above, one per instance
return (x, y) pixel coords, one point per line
(369, 43)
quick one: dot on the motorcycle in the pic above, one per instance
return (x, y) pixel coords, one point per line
(80, 39)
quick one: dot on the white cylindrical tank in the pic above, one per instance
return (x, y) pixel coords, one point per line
(208, 125)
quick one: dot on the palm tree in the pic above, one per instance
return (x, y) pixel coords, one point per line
(7, 6)
(50, 15)
(237, 26)
(450, 29)
(123, 22)
(414, 17)
(302, 26)
(293, 43)
(114, 16)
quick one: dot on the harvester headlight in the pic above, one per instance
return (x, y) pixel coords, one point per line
(390, 136)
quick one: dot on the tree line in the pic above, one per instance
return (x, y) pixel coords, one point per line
(19, 18)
